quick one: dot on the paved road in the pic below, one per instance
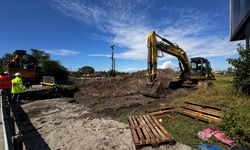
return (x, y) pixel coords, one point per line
(1, 127)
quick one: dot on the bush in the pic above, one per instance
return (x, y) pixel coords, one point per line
(55, 69)
(233, 124)
(241, 73)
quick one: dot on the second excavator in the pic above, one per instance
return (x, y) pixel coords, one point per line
(193, 70)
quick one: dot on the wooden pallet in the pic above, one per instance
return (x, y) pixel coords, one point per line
(159, 109)
(147, 130)
(201, 112)
(164, 113)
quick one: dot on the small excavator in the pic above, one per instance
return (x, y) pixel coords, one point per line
(195, 70)
(30, 72)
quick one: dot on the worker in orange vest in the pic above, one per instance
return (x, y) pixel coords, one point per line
(5, 85)
(17, 87)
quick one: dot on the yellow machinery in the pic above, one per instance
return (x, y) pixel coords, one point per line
(29, 75)
(195, 70)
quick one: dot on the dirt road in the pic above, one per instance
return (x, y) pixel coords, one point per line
(65, 124)
(90, 119)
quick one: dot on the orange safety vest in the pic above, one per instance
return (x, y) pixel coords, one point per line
(5, 82)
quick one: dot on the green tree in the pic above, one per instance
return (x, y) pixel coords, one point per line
(40, 55)
(49, 67)
(87, 70)
(55, 69)
(5, 60)
(241, 73)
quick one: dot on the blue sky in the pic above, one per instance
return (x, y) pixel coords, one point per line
(80, 32)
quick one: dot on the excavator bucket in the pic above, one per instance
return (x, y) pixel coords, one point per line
(156, 90)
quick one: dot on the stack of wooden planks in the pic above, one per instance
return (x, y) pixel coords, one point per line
(164, 112)
(147, 130)
(201, 112)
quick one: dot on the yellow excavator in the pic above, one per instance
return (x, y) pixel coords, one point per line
(30, 74)
(195, 70)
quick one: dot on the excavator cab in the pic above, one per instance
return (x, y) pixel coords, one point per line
(201, 69)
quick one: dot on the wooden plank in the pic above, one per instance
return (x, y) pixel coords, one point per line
(144, 131)
(157, 140)
(170, 139)
(131, 122)
(154, 131)
(204, 111)
(197, 115)
(162, 112)
(217, 119)
(211, 111)
(149, 133)
(193, 103)
(160, 109)
(162, 136)
(134, 135)
(140, 135)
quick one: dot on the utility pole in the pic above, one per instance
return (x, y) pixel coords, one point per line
(113, 60)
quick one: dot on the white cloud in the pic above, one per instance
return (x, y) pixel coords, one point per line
(62, 52)
(128, 22)
(167, 64)
(131, 70)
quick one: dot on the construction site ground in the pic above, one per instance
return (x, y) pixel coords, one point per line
(66, 125)
(96, 118)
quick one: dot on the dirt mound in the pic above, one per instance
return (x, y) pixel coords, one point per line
(131, 84)
(49, 92)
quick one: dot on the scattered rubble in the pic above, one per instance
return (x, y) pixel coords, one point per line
(131, 84)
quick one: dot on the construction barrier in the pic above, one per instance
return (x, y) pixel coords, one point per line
(12, 138)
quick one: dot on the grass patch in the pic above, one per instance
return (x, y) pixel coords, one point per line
(223, 80)
(123, 117)
(185, 130)
(236, 108)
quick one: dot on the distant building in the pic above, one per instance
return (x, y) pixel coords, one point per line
(240, 20)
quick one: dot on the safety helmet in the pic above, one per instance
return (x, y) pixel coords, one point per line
(18, 74)
(5, 72)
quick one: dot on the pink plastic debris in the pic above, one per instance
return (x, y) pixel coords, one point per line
(207, 133)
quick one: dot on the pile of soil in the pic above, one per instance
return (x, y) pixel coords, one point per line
(131, 84)
(48, 92)
(116, 97)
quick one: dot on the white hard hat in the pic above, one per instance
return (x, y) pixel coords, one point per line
(18, 74)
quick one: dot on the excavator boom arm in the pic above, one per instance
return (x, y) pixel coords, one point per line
(168, 47)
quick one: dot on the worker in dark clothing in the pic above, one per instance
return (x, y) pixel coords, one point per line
(5, 85)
